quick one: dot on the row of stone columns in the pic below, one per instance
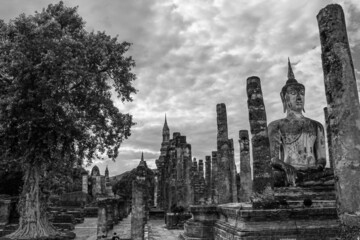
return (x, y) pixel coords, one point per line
(110, 211)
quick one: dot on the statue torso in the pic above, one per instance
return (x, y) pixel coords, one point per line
(298, 138)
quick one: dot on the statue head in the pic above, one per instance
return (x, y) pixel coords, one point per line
(293, 93)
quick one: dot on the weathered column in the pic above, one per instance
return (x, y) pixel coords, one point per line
(328, 135)
(138, 209)
(344, 111)
(156, 191)
(116, 212)
(85, 183)
(201, 168)
(195, 165)
(234, 189)
(260, 142)
(187, 168)
(102, 220)
(245, 167)
(208, 176)
(110, 214)
(225, 181)
(214, 170)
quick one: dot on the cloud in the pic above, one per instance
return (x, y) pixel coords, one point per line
(191, 55)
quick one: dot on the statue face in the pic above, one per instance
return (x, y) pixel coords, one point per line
(295, 98)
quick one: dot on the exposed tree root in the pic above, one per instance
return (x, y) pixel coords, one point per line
(33, 220)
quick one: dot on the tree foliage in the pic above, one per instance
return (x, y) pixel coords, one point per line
(55, 89)
(56, 86)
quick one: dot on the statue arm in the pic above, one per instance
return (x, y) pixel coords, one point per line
(320, 149)
(275, 142)
(277, 156)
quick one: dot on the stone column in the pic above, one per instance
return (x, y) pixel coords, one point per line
(245, 167)
(328, 135)
(344, 111)
(110, 214)
(187, 169)
(102, 220)
(214, 170)
(195, 165)
(208, 176)
(201, 168)
(102, 185)
(233, 173)
(116, 212)
(260, 141)
(156, 191)
(138, 209)
(85, 184)
(224, 185)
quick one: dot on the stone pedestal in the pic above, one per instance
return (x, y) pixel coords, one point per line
(344, 111)
(241, 221)
(201, 225)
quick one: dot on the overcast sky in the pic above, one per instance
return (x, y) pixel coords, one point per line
(191, 55)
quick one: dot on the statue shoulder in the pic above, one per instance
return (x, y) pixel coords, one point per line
(275, 126)
(316, 123)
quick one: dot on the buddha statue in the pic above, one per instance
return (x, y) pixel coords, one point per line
(297, 143)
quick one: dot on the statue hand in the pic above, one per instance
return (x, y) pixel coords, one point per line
(317, 167)
(291, 174)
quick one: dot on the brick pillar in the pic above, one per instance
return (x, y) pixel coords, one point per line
(138, 209)
(102, 228)
(234, 189)
(187, 169)
(85, 184)
(156, 191)
(208, 176)
(224, 185)
(116, 212)
(344, 111)
(110, 214)
(260, 142)
(214, 170)
(201, 168)
(245, 167)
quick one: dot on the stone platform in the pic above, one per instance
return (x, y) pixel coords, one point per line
(300, 213)
(287, 223)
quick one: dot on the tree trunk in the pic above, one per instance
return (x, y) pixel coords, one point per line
(33, 220)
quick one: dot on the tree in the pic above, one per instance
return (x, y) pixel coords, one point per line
(56, 84)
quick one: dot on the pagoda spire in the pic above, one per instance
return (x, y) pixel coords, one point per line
(165, 124)
(166, 131)
(142, 161)
(290, 71)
